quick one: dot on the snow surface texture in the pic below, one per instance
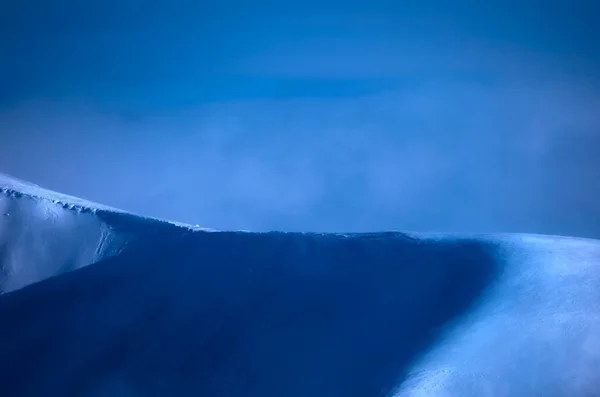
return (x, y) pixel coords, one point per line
(171, 310)
(43, 233)
(42, 237)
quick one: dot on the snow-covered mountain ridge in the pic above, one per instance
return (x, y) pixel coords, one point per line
(97, 302)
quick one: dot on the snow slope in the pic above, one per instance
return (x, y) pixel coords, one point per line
(102, 303)
(44, 233)
(41, 236)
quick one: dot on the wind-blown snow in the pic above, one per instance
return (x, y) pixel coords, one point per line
(98, 302)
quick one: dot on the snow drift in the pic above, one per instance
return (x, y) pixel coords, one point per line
(97, 302)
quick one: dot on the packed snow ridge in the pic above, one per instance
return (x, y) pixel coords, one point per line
(44, 233)
(97, 302)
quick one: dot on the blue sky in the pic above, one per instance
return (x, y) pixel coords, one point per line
(444, 116)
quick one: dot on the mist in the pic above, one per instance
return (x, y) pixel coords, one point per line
(335, 124)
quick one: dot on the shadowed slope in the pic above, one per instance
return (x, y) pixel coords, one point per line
(239, 314)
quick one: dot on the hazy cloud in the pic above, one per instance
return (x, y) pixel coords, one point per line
(455, 157)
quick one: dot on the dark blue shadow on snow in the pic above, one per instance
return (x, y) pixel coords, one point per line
(224, 314)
